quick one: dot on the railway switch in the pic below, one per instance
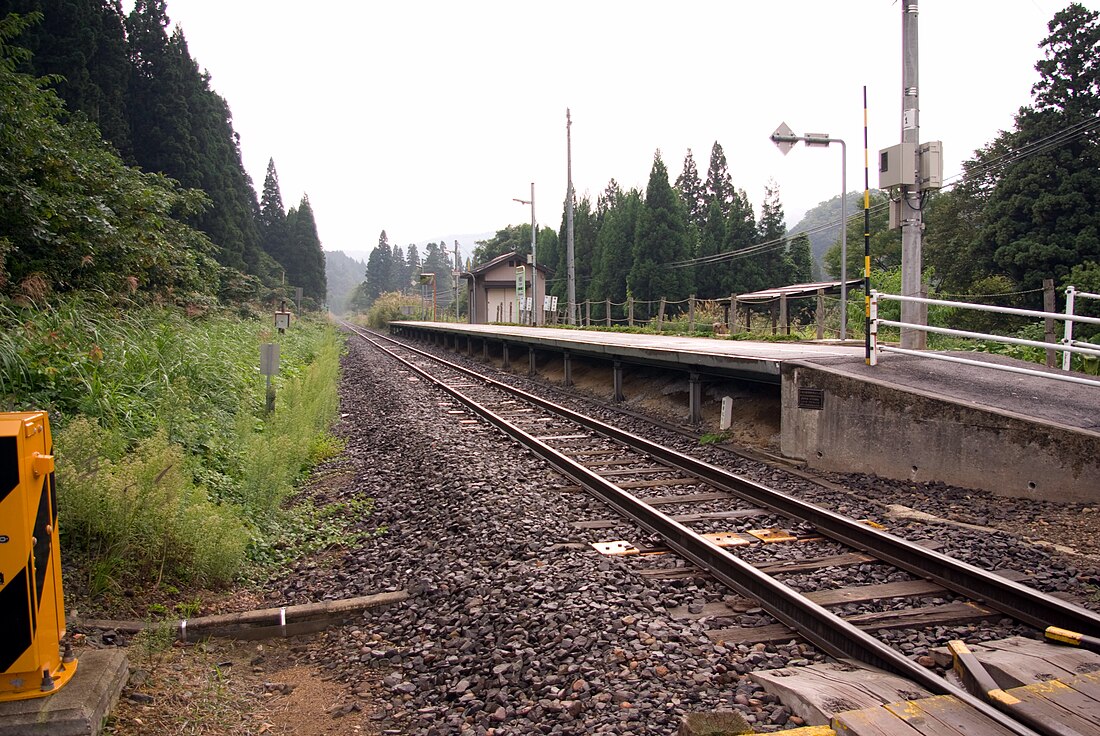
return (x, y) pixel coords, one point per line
(32, 608)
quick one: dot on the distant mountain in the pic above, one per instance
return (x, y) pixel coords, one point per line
(822, 222)
(343, 273)
(466, 245)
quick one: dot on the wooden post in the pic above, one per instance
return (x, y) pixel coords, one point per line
(773, 309)
(1048, 323)
(784, 315)
(748, 317)
(732, 318)
(607, 312)
(587, 313)
(630, 311)
(820, 314)
(691, 313)
(661, 316)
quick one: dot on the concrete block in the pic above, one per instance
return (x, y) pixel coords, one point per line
(77, 709)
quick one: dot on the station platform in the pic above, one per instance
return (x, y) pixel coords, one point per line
(909, 417)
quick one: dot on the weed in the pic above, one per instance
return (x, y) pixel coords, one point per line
(714, 438)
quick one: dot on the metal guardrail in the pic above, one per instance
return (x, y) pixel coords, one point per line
(1068, 346)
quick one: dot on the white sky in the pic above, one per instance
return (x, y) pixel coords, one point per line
(426, 118)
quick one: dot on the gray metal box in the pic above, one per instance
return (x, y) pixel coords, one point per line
(931, 165)
(896, 166)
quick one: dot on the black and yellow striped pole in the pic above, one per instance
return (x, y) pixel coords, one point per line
(866, 237)
(32, 607)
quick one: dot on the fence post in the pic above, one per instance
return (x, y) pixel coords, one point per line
(1067, 336)
(691, 313)
(587, 313)
(820, 314)
(1048, 323)
(784, 316)
(661, 316)
(732, 318)
(773, 310)
(630, 311)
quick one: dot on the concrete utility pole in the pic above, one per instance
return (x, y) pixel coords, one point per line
(571, 272)
(458, 270)
(911, 215)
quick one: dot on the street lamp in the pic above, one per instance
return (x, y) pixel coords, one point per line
(784, 139)
(535, 308)
(426, 278)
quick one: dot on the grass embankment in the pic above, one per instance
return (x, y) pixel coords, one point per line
(169, 473)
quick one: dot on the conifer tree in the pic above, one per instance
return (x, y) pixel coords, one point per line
(275, 236)
(775, 264)
(379, 268)
(741, 275)
(399, 279)
(661, 238)
(710, 281)
(615, 244)
(412, 265)
(306, 256)
(719, 185)
(802, 260)
(692, 193)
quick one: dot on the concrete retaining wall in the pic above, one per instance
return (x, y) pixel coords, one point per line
(875, 427)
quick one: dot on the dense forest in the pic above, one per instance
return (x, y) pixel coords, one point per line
(120, 170)
(1022, 211)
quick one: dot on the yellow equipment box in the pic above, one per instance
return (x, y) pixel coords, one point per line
(32, 606)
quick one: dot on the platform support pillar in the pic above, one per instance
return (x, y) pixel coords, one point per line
(695, 398)
(567, 368)
(484, 350)
(531, 361)
(505, 363)
(617, 379)
(469, 346)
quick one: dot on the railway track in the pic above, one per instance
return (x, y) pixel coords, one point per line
(699, 512)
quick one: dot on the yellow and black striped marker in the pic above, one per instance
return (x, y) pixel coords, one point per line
(1072, 638)
(32, 607)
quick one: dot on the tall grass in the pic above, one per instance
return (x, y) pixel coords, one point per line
(168, 468)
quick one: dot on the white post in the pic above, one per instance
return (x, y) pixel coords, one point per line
(1067, 339)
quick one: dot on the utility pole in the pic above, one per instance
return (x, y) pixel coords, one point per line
(536, 308)
(911, 214)
(458, 270)
(570, 268)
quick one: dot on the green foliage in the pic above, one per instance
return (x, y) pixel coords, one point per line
(141, 510)
(74, 217)
(167, 468)
(661, 237)
(391, 307)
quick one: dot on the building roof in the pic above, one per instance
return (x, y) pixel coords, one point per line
(796, 290)
(502, 258)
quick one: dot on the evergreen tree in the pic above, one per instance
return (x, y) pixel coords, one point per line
(740, 275)
(272, 220)
(412, 266)
(719, 185)
(802, 259)
(306, 256)
(379, 269)
(399, 278)
(775, 263)
(661, 238)
(615, 245)
(83, 43)
(437, 262)
(710, 280)
(1041, 218)
(692, 193)
(184, 129)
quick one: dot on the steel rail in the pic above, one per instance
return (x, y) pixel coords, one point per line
(819, 626)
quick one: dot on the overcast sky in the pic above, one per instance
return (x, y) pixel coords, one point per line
(425, 119)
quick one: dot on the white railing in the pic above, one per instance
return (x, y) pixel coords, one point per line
(1071, 298)
(1067, 345)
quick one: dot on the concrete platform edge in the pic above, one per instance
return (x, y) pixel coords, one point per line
(77, 709)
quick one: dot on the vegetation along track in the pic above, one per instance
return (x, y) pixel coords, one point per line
(627, 472)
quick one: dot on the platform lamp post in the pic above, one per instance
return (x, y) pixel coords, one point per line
(426, 278)
(784, 139)
(535, 308)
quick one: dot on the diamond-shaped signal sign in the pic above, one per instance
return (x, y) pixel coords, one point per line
(784, 138)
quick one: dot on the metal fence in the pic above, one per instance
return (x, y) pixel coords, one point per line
(1068, 345)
